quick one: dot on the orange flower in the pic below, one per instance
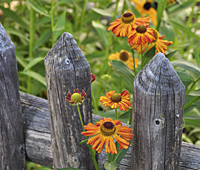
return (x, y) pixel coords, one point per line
(93, 77)
(125, 57)
(141, 35)
(145, 8)
(75, 98)
(161, 45)
(104, 131)
(121, 27)
(115, 100)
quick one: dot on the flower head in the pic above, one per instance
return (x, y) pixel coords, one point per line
(75, 98)
(160, 44)
(125, 57)
(104, 131)
(121, 27)
(141, 35)
(115, 100)
(106, 77)
(145, 8)
(93, 77)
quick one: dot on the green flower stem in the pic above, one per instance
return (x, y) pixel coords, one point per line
(80, 117)
(105, 92)
(115, 113)
(192, 86)
(108, 158)
(141, 58)
(52, 23)
(134, 62)
(94, 101)
(91, 152)
(31, 43)
(82, 18)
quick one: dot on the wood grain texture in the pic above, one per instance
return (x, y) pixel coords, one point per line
(66, 70)
(12, 151)
(38, 141)
(158, 106)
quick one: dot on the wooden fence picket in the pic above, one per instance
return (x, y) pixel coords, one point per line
(66, 70)
(158, 106)
(12, 150)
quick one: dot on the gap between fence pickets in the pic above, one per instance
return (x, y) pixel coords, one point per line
(38, 138)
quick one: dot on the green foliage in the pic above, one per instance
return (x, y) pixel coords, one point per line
(34, 27)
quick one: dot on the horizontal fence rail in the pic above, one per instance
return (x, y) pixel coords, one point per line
(35, 115)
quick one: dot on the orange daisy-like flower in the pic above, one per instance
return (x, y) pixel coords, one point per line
(75, 98)
(125, 57)
(141, 35)
(115, 100)
(161, 45)
(93, 77)
(121, 27)
(145, 8)
(104, 131)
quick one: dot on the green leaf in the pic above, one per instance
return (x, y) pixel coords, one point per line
(63, 2)
(161, 7)
(187, 65)
(148, 56)
(195, 93)
(196, 56)
(37, 8)
(83, 141)
(44, 37)
(102, 12)
(33, 62)
(177, 8)
(171, 54)
(16, 32)
(20, 60)
(44, 20)
(60, 25)
(110, 165)
(101, 30)
(35, 76)
(96, 54)
(184, 29)
(125, 115)
(126, 73)
(185, 77)
(68, 169)
(14, 16)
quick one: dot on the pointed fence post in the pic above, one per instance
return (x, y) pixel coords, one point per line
(158, 106)
(67, 69)
(12, 151)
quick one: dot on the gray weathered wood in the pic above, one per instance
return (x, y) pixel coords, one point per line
(38, 141)
(12, 151)
(67, 69)
(158, 106)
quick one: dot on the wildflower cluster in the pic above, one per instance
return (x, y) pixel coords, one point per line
(140, 36)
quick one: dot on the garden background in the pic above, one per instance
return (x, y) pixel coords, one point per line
(35, 25)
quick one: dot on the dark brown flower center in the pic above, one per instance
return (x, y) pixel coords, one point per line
(116, 97)
(147, 5)
(128, 17)
(108, 129)
(141, 29)
(124, 56)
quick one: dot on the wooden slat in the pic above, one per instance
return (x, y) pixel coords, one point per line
(38, 140)
(157, 118)
(12, 155)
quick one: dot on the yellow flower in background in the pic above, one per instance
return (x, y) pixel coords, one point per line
(121, 27)
(171, 1)
(144, 8)
(125, 57)
(140, 35)
(161, 45)
(103, 133)
(115, 100)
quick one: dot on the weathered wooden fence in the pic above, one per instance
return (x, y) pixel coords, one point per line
(52, 129)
